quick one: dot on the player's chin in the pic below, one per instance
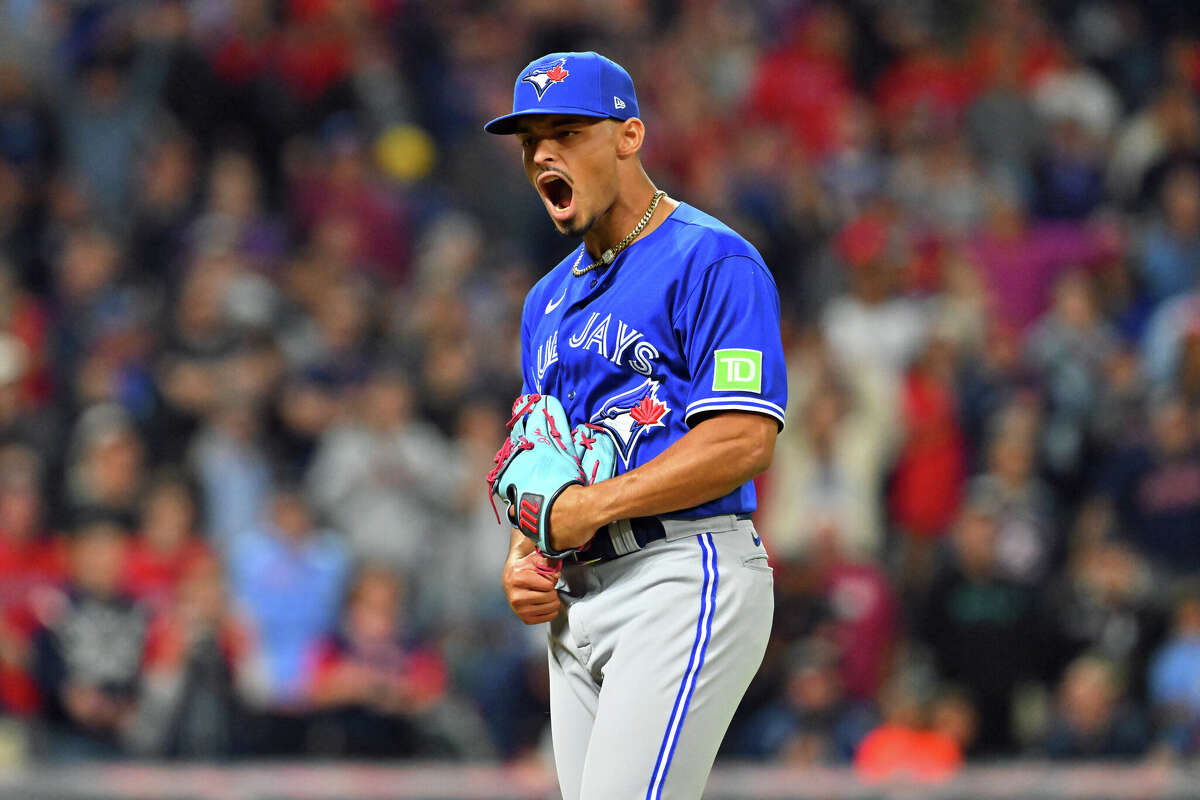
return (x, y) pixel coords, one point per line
(565, 218)
(573, 225)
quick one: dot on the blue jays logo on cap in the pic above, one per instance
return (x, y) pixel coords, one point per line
(589, 85)
(543, 79)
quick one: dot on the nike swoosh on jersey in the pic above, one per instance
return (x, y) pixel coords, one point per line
(553, 304)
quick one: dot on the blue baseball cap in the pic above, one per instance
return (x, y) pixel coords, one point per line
(585, 84)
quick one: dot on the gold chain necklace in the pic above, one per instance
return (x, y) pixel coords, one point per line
(611, 253)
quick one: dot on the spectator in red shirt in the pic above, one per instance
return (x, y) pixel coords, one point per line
(925, 88)
(931, 467)
(166, 543)
(1017, 33)
(805, 84)
(32, 564)
(23, 316)
(928, 479)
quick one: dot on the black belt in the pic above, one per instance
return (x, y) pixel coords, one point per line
(639, 532)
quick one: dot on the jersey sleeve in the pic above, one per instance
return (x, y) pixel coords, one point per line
(729, 328)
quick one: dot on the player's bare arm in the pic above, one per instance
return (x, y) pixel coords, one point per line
(718, 455)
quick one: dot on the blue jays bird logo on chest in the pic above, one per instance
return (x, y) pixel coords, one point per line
(630, 415)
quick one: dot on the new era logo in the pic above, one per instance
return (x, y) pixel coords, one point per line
(618, 102)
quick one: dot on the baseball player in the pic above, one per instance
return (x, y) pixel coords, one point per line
(659, 336)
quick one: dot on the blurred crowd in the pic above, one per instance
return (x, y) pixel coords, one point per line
(260, 283)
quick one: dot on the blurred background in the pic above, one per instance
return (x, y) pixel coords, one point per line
(261, 275)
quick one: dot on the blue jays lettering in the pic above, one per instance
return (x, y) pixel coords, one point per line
(615, 340)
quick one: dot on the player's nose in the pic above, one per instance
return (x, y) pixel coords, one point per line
(544, 152)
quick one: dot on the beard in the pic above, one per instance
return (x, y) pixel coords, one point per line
(576, 228)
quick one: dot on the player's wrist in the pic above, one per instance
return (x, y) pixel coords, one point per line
(572, 521)
(604, 502)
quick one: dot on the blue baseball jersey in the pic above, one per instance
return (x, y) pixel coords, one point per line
(684, 322)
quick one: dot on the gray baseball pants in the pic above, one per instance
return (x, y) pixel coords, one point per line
(650, 657)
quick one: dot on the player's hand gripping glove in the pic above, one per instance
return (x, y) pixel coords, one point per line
(539, 460)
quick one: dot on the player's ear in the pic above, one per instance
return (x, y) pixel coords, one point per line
(630, 135)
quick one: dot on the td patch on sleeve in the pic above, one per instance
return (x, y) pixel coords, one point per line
(736, 370)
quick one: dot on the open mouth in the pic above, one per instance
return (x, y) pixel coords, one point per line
(558, 193)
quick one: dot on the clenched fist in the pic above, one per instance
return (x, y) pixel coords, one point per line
(529, 579)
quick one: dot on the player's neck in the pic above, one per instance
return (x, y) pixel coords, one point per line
(623, 216)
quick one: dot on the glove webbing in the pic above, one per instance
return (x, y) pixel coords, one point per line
(587, 443)
(499, 460)
(531, 400)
